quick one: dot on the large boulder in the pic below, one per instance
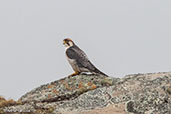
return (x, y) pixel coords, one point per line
(96, 94)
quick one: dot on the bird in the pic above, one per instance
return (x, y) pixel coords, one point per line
(78, 59)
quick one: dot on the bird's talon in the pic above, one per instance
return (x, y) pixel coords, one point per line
(74, 74)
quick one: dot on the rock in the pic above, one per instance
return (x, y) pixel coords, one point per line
(67, 88)
(93, 94)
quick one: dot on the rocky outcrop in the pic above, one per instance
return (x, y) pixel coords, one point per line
(95, 94)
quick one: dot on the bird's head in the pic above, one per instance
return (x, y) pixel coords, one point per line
(68, 42)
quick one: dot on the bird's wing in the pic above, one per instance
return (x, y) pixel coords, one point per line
(80, 57)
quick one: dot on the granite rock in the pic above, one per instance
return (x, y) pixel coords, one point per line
(96, 94)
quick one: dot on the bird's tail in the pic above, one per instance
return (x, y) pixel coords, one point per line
(97, 71)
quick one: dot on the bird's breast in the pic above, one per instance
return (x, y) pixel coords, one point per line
(73, 64)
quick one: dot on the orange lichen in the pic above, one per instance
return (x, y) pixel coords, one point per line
(67, 86)
(93, 86)
(50, 86)
(55, 91)
(90, 83)
(80, 85)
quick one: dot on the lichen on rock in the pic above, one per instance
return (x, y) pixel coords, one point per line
(67, 88)
(89, 94)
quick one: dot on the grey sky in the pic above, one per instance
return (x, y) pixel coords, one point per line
(119, 36)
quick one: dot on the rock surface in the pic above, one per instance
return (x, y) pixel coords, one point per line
(92, 94)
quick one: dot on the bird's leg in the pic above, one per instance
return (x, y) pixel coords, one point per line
(74, 74)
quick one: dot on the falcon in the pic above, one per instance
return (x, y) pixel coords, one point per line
(78, 59)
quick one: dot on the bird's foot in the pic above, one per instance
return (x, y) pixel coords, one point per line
(74, 74)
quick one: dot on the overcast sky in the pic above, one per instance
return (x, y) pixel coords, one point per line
(119, 36)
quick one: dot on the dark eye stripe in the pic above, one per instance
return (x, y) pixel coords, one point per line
(67, 43)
